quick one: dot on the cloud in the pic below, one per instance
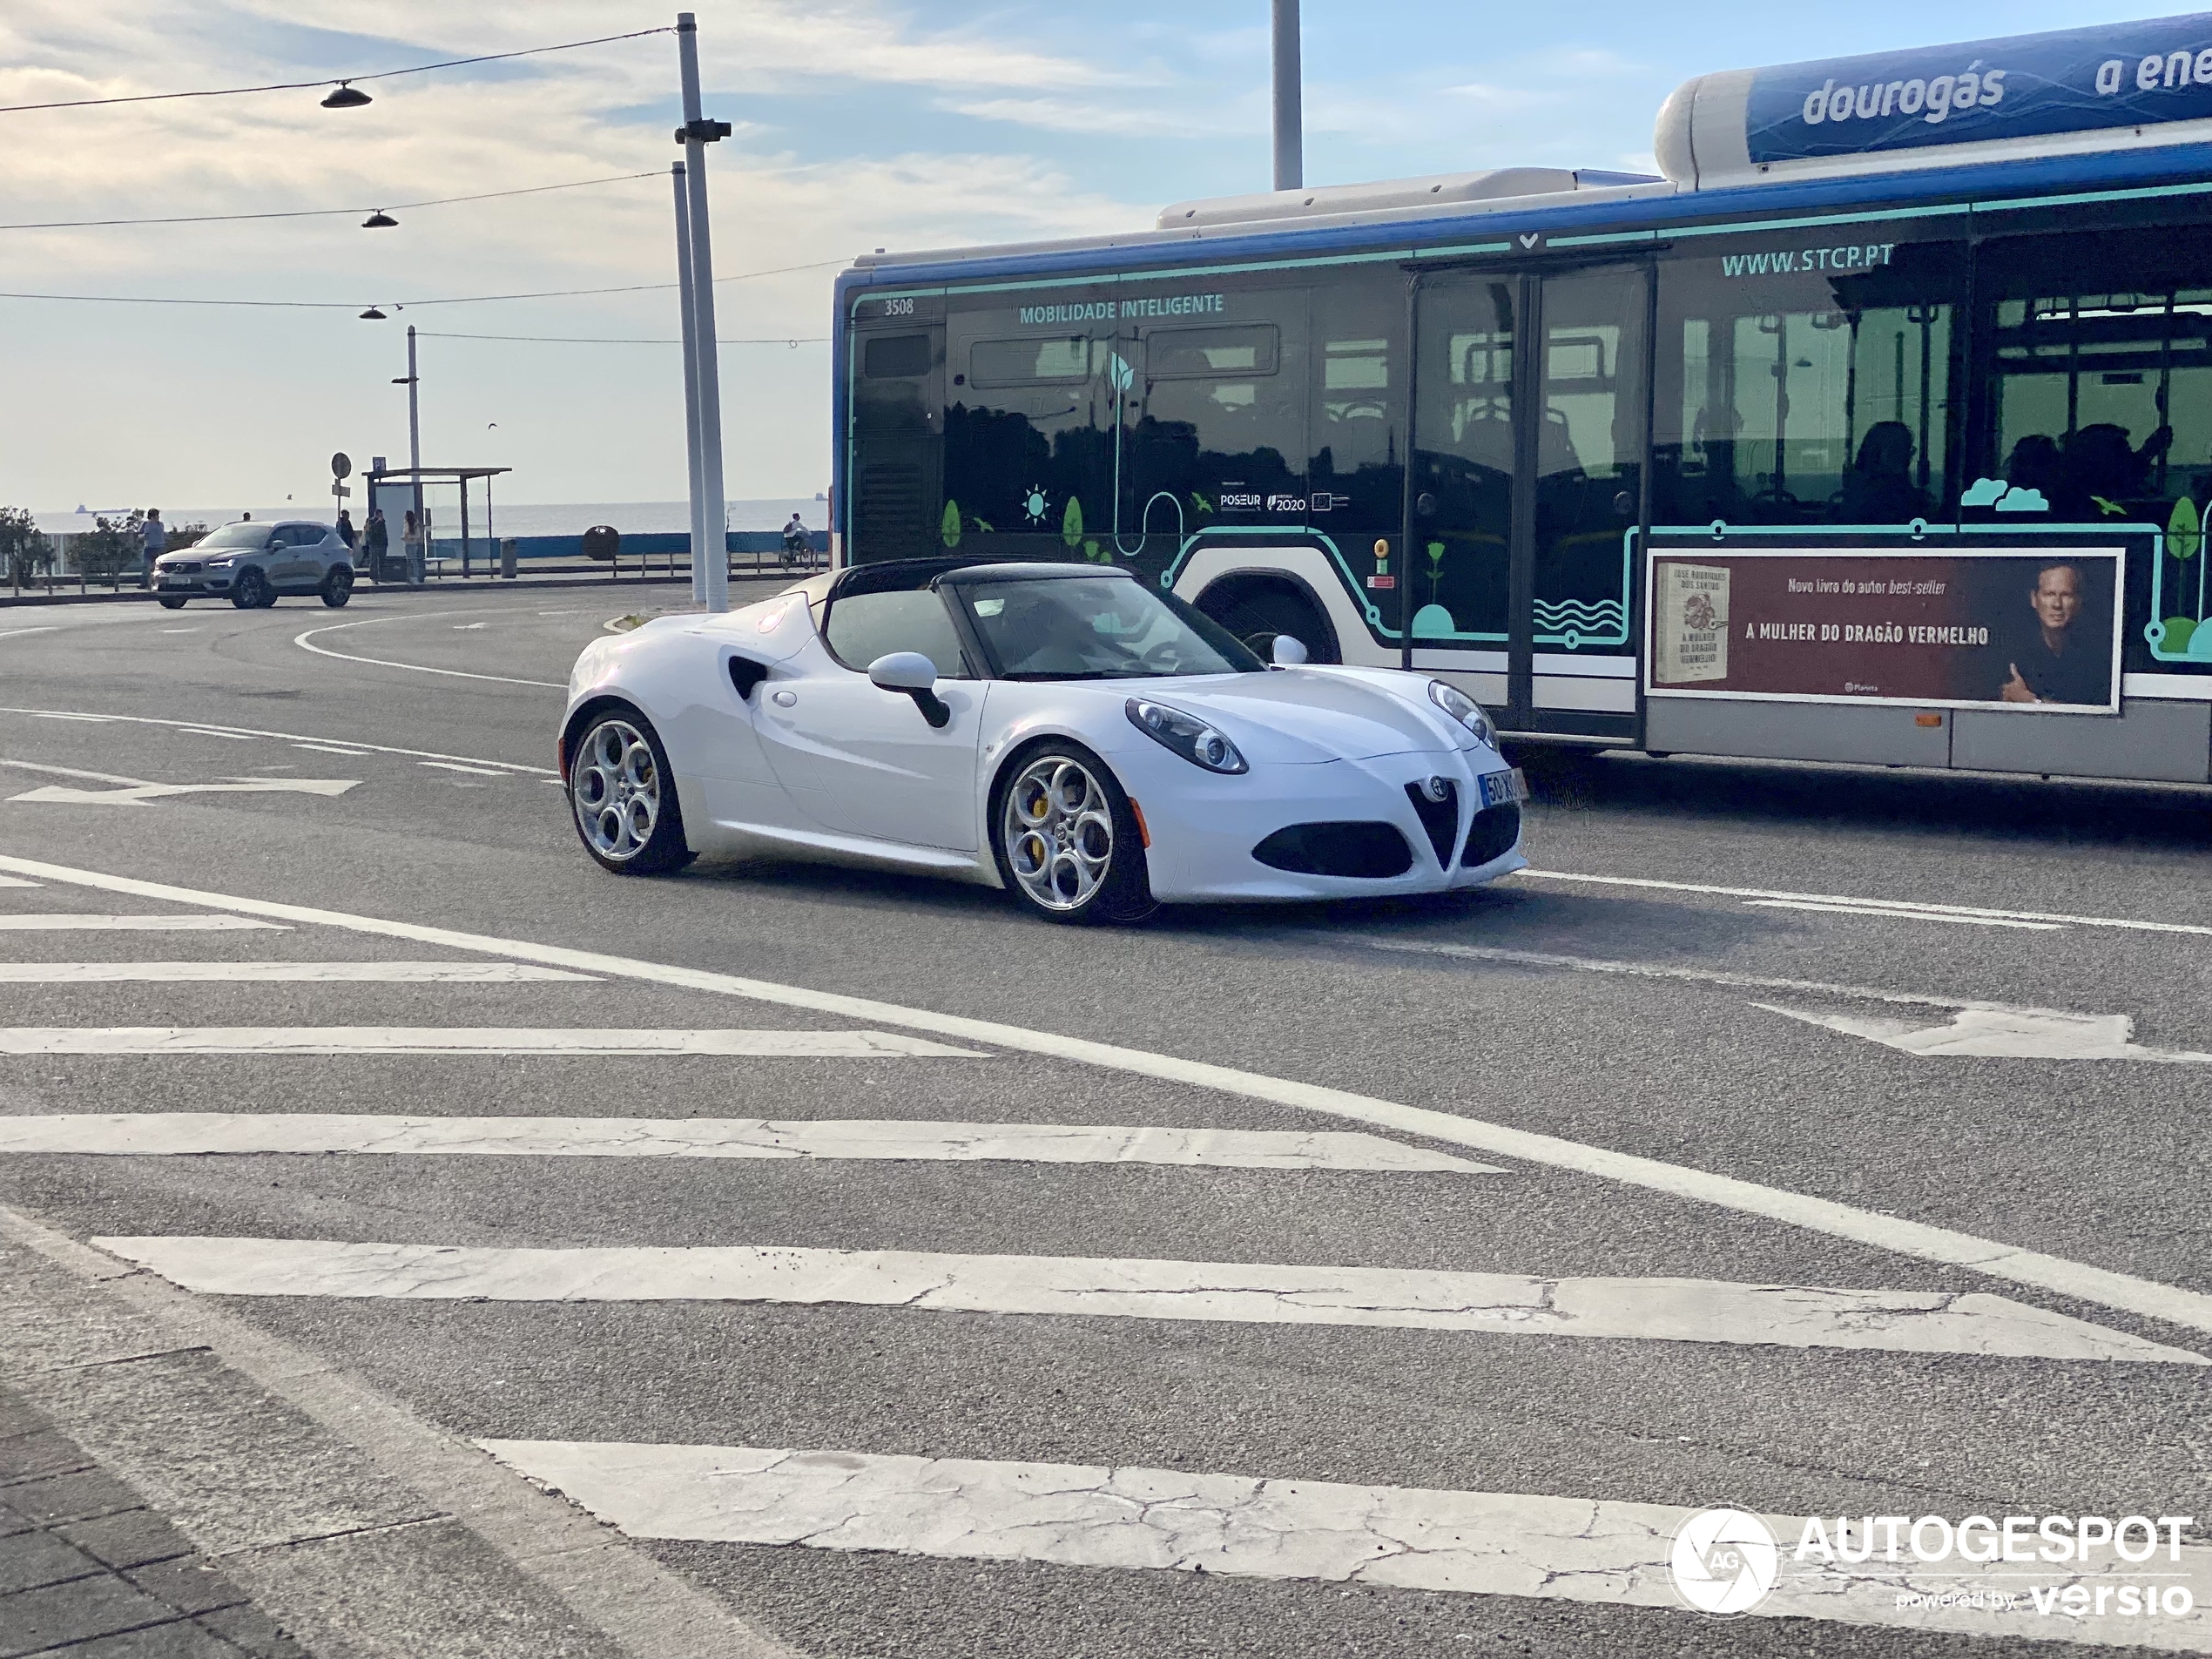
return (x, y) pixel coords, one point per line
(1131, 120)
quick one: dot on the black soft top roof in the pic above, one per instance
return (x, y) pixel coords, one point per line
(904, 576)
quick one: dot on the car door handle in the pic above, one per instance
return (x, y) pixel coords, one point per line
(786, 700)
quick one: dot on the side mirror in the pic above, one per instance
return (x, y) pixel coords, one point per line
(915, 675)
(1289, 652)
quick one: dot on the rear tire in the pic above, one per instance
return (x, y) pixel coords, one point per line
(622, 796)
(1067, 841)
(338, 586)
(168, 604)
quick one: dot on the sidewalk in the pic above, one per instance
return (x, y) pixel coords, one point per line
(88, 1571)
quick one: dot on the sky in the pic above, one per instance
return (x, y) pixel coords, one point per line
(859, 125)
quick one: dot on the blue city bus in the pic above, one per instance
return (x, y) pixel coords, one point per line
(1877, 428)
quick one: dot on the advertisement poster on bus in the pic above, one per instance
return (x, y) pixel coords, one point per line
(2008, 628)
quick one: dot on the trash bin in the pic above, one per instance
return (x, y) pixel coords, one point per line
(507, 552)
(602, 543)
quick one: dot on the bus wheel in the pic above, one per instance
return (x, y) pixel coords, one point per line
(1255, 611)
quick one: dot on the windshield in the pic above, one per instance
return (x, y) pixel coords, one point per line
(1074, 628)
(238, 535)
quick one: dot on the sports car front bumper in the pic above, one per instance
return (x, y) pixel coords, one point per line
(1205, 827)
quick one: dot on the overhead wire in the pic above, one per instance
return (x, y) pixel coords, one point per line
(331, 80)
(324, 212)
(355, 305)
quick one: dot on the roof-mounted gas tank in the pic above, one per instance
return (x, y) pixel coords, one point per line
(2115, 86)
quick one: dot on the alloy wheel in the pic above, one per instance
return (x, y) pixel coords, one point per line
(1058, 833)
(616, 786)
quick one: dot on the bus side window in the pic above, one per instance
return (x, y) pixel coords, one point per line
(1809, 396)
(2100, 374)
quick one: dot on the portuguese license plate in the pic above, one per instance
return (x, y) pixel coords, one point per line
(1500, 787)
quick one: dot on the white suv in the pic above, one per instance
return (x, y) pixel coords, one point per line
(250, 565)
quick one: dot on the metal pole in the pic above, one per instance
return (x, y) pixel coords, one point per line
(691, 387)
(1290, 135)
(716, 592)
(414, 450)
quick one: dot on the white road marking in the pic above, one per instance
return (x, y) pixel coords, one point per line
(268, 973)
(69, 923)
(1658, 1310)
(17, 633)
(137, 791)
(468, 627)
(2082, 1280)
(2199, 929)
(413, 668)
(1989, 1033)
(193, 1134)
(1484, 1543)
(139, 794)
(455, 765)
(1899, 913)
(1984, 1028)
(295, 737)
(16, 881)
(331, 749)
(213, 732)
(402, 1039)
(1692, 975)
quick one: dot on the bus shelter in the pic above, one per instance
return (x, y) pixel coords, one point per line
(439, 498)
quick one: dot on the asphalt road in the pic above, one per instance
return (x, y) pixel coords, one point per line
(1657, 988)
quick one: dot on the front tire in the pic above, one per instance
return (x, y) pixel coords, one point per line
(169, 603)
(622, 794)
(1067, 840)
(251, 591)
(338, 586)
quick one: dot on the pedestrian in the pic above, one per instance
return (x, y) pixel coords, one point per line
(345, 532)
(411, 539)
(157, 539)
(376, 536)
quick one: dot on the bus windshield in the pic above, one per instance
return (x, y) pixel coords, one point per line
(1102, 627)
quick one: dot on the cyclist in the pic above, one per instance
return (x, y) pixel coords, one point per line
(798, 551)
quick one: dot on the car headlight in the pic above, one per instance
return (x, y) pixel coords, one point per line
(222, 564)
(1186, 734)
(1465, 709)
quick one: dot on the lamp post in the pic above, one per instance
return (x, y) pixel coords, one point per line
(1290, 133)
(692, 455)
(414, 441)
(708, 501)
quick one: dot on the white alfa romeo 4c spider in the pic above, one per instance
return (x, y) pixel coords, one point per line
(1064, 732)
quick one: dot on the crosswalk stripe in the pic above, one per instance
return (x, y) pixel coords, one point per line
(273, 972)
(403, 1039)
(214, 922)
(1669, 1310)
(1486, 1543)
(191, 1134)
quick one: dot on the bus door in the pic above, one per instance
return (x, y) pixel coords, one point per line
(898, 452)
(1526, 482)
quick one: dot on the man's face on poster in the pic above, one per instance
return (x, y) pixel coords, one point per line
(2057, 597)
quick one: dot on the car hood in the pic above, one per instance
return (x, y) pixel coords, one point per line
(1304, 714)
